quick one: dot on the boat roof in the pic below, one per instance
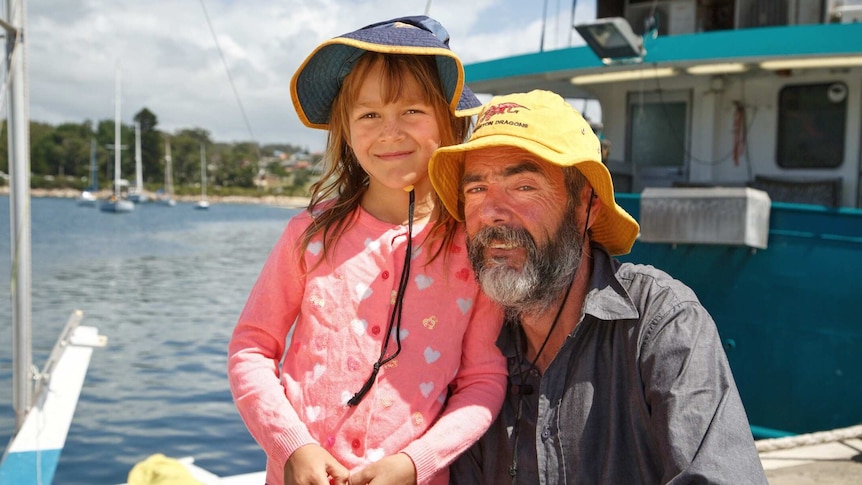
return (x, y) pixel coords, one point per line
(552, 69)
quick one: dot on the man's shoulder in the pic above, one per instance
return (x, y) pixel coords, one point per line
(647, 282)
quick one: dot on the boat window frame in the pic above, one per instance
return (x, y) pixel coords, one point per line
(672, 174)
(787, 140)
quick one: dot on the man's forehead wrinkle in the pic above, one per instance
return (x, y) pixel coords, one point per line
(523, 167)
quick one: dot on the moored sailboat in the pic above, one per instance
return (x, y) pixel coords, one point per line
(88, 196)
(203, 203)
(136, 192)
(167, 197)
(117, 203)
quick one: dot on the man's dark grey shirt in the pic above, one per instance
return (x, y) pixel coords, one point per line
(640, 393)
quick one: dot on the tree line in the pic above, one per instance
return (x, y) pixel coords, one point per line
(63, 152)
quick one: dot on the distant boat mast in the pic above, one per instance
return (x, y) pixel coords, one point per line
(117, 114)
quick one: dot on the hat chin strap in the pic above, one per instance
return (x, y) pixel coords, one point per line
(587, 219)
(395, 317)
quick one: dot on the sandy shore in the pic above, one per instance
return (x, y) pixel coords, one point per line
(275, 200)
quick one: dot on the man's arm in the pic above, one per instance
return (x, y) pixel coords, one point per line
(696, 414)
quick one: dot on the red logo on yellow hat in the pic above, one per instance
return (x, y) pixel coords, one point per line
(499, 109)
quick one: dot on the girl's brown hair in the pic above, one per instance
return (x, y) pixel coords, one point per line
(344, 181)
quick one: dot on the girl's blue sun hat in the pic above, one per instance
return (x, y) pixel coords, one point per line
(316, 83)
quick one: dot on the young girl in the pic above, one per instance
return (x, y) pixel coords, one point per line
(392, 369)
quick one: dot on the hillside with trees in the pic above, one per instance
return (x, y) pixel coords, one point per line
(60, 158)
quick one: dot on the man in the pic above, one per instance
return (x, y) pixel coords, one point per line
(616, 371)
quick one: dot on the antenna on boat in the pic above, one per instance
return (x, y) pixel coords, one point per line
(428, 8)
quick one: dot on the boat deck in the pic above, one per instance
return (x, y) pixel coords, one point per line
(814, 459)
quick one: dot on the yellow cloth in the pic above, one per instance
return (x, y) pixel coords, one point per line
(158, 469)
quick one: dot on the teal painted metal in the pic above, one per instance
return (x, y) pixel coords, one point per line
(29, 468)
(738, 45)
(760, 433)
(788, 314)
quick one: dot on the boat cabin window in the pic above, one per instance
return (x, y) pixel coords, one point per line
(811, 125)
(658, 132)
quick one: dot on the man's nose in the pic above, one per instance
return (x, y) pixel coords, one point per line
(495, 208)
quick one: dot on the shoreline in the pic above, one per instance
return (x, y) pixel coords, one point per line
(288, 202)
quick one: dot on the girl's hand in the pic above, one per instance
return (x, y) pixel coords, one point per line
(395, 469)
(313, 465)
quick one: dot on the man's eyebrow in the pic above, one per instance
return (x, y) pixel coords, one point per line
(523, 167)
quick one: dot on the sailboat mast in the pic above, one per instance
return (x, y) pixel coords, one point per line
(94, 171)
(117, 135)
(169, 169)
(139, 171)
(19, 208)
(203, 172)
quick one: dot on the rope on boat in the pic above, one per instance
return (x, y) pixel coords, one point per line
(817, 438)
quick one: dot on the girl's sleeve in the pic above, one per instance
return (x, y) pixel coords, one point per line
(478, 390)
(257, 345)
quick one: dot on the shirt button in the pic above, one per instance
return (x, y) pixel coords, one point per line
(375, 330)
(534, 372)
(546, 433)
(355, 444)
(385, 275)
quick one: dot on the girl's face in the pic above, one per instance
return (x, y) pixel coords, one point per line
(393, 141)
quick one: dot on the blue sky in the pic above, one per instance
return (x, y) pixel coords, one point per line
(171, 64)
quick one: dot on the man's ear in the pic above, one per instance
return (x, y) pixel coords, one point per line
(592, 205)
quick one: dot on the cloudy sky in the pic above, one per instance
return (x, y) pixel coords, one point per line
(171, 63)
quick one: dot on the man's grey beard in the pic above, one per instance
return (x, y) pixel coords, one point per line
(546, 274)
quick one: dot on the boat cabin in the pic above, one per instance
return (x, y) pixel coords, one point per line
(732, 93)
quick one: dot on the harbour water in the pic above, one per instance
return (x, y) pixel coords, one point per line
(165, 285)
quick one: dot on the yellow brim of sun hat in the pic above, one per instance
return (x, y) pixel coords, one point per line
(544, 124)
(316, 83)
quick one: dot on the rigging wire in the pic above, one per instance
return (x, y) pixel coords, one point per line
(544, 18)
(230, 78)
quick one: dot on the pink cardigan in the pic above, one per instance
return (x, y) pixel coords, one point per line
(341, 310)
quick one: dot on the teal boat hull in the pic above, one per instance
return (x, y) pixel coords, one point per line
(788, 315)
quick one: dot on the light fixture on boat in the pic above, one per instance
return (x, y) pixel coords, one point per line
(613, 40)
(610, 77)
(821, 62)
(719, 68)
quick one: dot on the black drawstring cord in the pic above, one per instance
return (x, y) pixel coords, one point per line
(513, 468)
(395, 318)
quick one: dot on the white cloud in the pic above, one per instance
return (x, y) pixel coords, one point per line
(171, 64)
